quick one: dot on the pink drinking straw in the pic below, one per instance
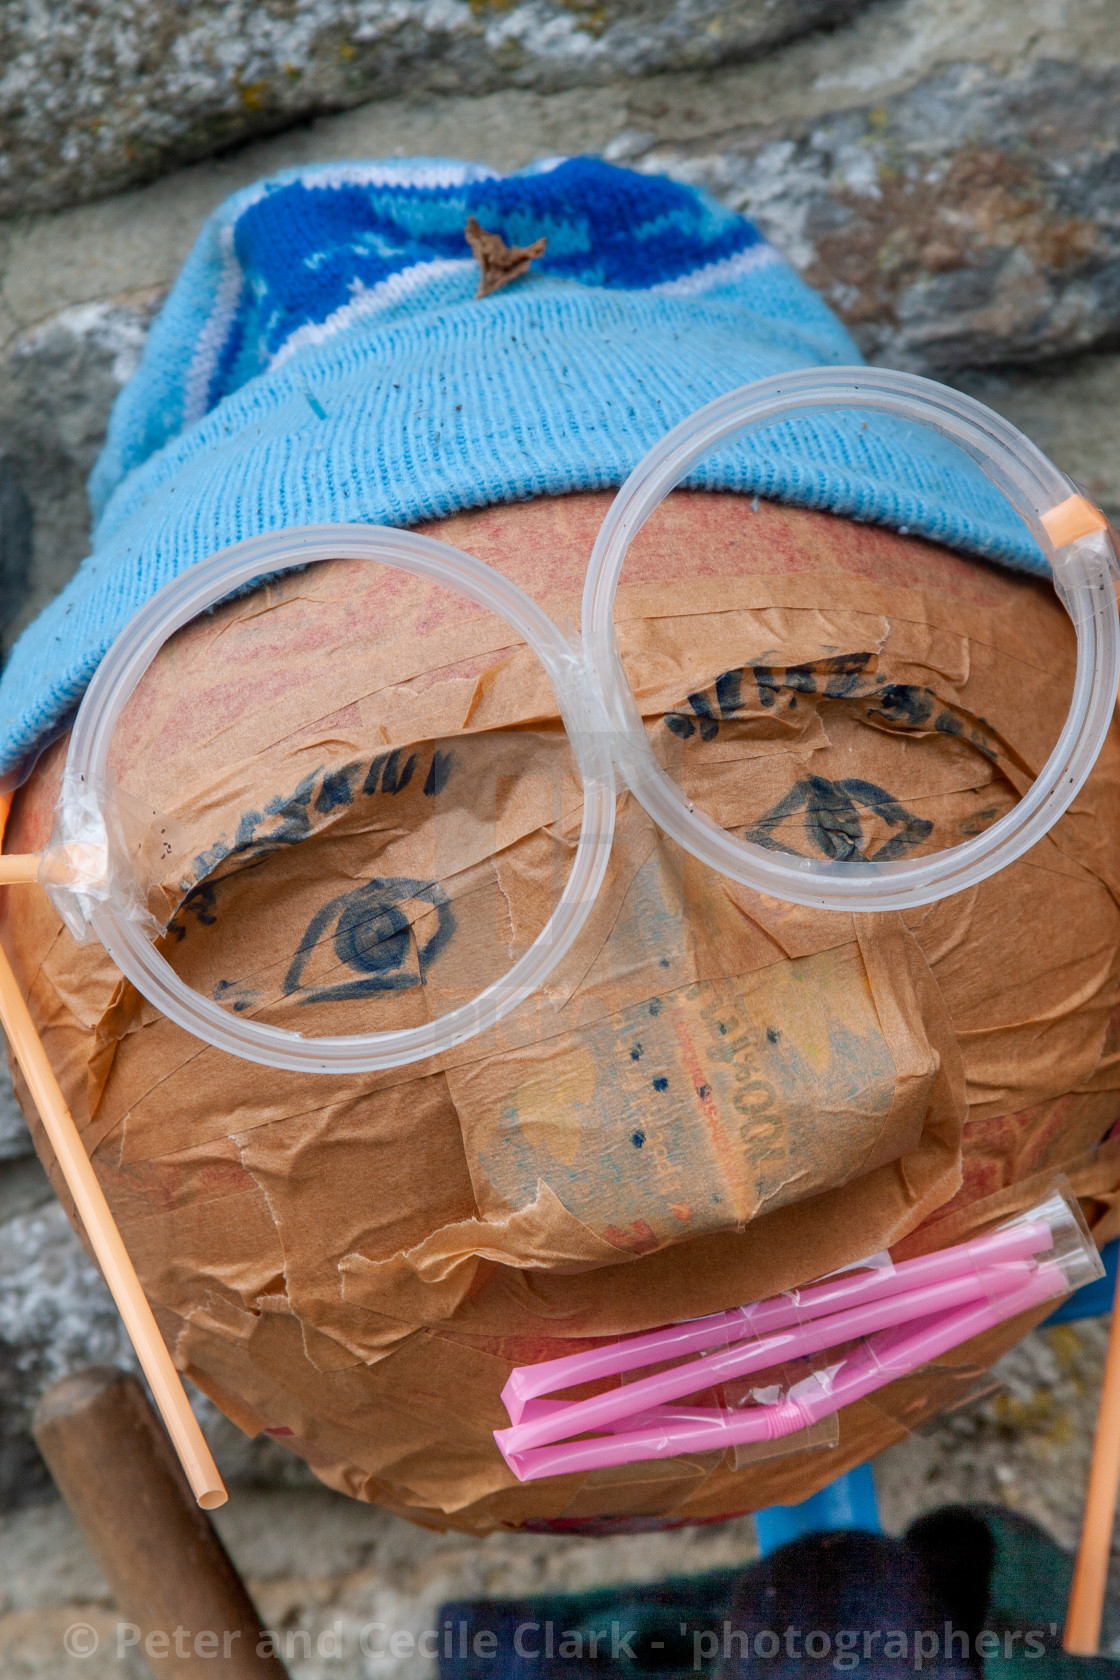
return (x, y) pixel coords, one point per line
(776, 1312)
(886, 1356)
(553, 1422)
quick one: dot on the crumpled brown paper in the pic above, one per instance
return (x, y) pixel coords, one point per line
(372, 809)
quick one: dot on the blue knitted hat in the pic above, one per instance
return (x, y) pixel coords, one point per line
(322, 358)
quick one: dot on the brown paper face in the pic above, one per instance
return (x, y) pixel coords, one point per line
(369, 809)
(682, 1071)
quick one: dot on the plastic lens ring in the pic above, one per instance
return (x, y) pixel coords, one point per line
(212, 580)
(1083, 577)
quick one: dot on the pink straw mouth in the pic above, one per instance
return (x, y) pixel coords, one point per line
(884, 1356)
(776, 1312)
(556, 1421)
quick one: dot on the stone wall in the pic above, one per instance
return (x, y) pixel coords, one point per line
(96, 95)
(971, 217)
(946, 171)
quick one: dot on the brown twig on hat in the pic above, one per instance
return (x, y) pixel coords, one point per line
(498, 262)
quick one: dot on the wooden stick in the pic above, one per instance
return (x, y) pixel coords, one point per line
(181, 1599)
(107, 1244)
(1082, 1635)
(19, 867)
(94, 1212)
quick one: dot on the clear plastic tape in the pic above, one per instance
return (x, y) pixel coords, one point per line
(102, 852)
(881, 1261)
(1030, 1259)
(770, 1391)
(917, 1401)
(652, 1488)
(749, 1332)
(670, 1431)
(75, 868)
(1050, 1238)
(1012, 1285)
(821, 1435)
(1072, 1249)
(675, 1352)
(1084, 570)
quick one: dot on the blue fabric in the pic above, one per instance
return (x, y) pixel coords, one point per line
(321, 358)
(847, 1503)
(965, 1579)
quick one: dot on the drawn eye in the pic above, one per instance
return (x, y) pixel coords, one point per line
(371, 935)
(827, 815)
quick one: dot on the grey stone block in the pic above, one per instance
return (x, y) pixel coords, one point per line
(57, 385)
(15, 544)
(24, 1186)
(55, 1315)
(98, 94)
(15, 1139)
(972, 218)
